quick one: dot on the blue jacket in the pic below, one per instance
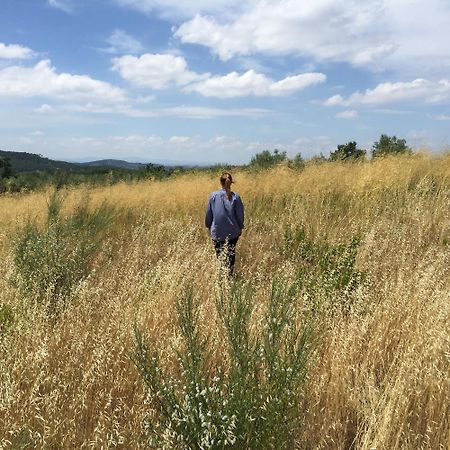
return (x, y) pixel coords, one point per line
(224, 217)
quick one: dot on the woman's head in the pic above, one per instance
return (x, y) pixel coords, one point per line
(226, 180)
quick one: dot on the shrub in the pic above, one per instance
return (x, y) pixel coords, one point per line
(390, 145)
(347, 152)
(297, 162)
(326, 272)
(251, 403)
(51, 261)
(266, 159)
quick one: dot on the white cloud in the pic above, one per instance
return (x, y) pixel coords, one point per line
(42, 80)
(350, 114)
(404, 35)
(14, 51)
(121, 42)
(155, 71)
(393, 112)
(63, 5)
(179, 139)
(441, 117)
(334, 100)
(191, 112)
(418, 89)
(37, 133)
(45, 109)
(252, 83)
(176, 8)
(295, 27)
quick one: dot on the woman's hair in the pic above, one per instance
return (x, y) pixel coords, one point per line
(225, 176)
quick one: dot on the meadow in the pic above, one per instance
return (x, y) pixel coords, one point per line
(119, 330)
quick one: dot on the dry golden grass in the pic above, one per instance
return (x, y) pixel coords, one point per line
(379, 380)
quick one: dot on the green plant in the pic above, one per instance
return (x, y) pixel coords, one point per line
(50, 261)
(348, 152)
(326, 272)
(390, 145)
(267, 159)
(297, 162)
(250, 403)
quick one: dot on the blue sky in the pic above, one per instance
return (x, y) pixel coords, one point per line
(204, 81)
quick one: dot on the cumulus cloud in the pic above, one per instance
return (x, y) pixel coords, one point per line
(252, 83)
(334, 100)
(294, 27)
(376, 34)
(121, 42)
(14, 51)
(349, 114)
(42, 80)
(155, 71)
(161, 71)
(418, 89)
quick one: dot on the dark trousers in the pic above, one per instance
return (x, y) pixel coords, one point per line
(230, 256)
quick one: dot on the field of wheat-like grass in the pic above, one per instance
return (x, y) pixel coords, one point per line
(368, 245)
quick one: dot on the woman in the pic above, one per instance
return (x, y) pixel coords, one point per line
(225, 220)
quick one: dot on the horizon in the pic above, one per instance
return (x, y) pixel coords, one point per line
(217, 83)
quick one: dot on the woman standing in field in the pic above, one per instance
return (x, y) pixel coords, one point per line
(225, 220)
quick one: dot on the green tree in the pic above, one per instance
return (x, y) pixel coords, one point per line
(266, 159)
(347, 152)
(390, 145)
(297, 162)
(5, 168)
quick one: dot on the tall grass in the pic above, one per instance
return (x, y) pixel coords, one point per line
(366, 247)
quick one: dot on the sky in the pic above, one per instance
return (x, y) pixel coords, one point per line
(218, 81)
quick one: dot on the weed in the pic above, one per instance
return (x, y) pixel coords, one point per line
(51, 261)
(251, 403)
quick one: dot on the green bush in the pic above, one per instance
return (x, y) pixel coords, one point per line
(297, 162)
(251, 403)
(326, 272)
(348, 152)
(390, 145)
(51, 261)
(266, 159)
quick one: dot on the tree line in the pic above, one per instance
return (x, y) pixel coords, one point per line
(386, 145)
(10, 181)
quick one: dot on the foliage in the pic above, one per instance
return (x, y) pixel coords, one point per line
(297, 162)
(267, 159)
(328, 271)
(347, 152)
(390, 145)
(51, 261)
(157, 171)
(5, 167)
(253, 404)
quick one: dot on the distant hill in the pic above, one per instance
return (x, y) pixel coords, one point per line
(30, 162)
(115, 163)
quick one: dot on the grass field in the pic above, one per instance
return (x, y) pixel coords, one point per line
(367, 247)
